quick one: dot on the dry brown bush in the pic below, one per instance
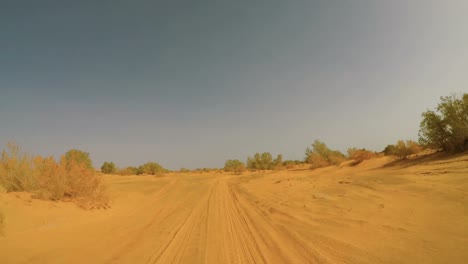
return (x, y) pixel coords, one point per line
(317, 161)
(359, 155)
(70, 179)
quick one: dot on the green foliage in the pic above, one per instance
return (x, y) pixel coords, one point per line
(447, 127)
(79, 157)
(108, 168)
(263, 161)
(128, 171)
(402, 149)
(289, 164)
(278, 161)
(152, 168)
(321, 156)
(390, 150)
(235, 166)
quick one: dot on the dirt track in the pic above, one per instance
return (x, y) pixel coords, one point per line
(364, 214)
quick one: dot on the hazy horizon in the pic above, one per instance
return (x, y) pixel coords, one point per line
(192, 84)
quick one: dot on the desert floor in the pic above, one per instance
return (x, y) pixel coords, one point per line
(380, 211)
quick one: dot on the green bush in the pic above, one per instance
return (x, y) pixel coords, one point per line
(321, 156)
(152, 168)
(264, 161)
(108, 168)
(128, 171)
(402, 149)
(447, 127)
(235, 166)
(78, 157)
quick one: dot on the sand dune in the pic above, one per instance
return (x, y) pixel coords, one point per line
(377, 212)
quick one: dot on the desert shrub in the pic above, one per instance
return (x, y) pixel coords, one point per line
(402, 149)
(390, 150)
(235, 166)
(152, 168)
(128, 171)
(108, 168)
(278, 162)
(359, 155)
(289, 164)
(70, 179)
(321, 156)
(79, 157)
(16, 171)
(184, 170)
(446, 127)
(264, 161)
(261, 161)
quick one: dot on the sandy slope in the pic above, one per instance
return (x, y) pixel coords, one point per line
(376, 212)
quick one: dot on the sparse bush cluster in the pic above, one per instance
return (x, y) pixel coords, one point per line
(151, 168)
(109, 168)
(403, 149)
(130, 170)
(446, 128)
(321, 156)
(235, 166)
(72, 178)
(289, 164)
(264, 161)
(359, 155)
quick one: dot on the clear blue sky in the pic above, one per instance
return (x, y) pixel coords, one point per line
(193, 83)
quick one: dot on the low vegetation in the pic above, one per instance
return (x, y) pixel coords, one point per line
(402, 149)
(359, 155)
(264, 161)
(235, 166)
(71, 178)
(321, 156)
(151, 168)
(108, 168)
(446, 128)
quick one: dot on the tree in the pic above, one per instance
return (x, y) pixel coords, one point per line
(321, 156)
(235, 166)
(263, 161)
(446, 127)
(79, 157)
(152, 168)
(108, 168)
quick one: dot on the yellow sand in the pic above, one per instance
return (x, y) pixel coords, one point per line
(380, 211)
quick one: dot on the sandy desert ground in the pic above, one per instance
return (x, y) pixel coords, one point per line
(379, 211)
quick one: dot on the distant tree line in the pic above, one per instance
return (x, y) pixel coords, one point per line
(151, 168)
(445, 128)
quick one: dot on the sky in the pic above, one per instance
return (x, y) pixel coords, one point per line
(194, 83)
